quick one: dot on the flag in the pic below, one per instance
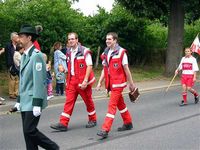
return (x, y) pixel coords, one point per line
(195, 47)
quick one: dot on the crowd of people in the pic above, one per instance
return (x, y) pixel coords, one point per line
(13, 52)
(31, 81)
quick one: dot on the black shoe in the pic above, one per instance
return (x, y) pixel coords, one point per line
(182, 103)
(55, 147)
(13, 109)
(59, 127)
(196, 99)
(103, 134)
(91, 124)
(125, 127)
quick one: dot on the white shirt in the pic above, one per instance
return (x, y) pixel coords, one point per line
(17, 58)
(26, 51)
(188, 65)
(124, 59)
(88, 59)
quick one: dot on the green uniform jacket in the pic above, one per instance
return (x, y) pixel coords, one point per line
(32, 84)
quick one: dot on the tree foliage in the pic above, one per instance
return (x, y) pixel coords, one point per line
(175, 11)
(141, 30)
(56, 17)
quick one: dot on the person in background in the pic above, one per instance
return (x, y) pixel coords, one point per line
(17, 55)
(60, 80)
(59, 57)
(49, 78)
(9, 50)
(2, 50)
(32, 98)
(116, 74)
(189, 68)
(65, 48)
(79, 81)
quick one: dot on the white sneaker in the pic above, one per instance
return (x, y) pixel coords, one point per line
(49, 97)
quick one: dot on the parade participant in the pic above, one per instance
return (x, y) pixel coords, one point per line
(189, 67)
(32, 91)
(116, 74)
(79, 81)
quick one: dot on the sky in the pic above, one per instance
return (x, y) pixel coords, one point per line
(89, 7)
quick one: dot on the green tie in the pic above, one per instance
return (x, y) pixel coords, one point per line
(24, 59)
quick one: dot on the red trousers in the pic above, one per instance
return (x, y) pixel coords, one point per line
(72, 92)
(116, 101)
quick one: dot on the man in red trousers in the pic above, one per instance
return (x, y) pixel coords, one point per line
(116, 73)
(79, 81)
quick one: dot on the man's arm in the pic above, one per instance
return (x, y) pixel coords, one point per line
(100, 80)
(129, 77)
(87, 74)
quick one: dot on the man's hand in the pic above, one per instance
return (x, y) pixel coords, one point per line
(17, 105)
(176, 71)
(36, 111)
(131, 87)
(98, 86)
(83, 85)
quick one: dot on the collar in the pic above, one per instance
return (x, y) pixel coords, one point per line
(188, 56)
(27, 51)
(74, 50)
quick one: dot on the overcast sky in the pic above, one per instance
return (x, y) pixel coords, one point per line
(89, 7)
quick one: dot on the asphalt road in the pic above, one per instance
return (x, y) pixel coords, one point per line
(159, 124)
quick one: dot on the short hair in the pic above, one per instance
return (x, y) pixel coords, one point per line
(13, 34)
(61, 66)
(76, 35)
(114, 35)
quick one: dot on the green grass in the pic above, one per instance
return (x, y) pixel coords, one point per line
(138, 73)
(3, 83)
(147, 73)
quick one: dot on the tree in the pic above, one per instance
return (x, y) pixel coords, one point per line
(159, 9)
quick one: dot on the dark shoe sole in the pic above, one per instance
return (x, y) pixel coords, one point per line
(125, 127)
(196, 100)
(105, 135)
(182, 105)
(59, 129)
(91, 125)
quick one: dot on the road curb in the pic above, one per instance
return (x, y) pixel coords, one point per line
(58, 100)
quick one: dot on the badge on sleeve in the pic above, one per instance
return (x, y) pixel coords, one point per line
(38, 66)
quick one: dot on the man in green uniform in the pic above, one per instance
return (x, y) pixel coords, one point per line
(32, 91)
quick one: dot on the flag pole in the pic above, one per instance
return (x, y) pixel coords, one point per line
(170, 83)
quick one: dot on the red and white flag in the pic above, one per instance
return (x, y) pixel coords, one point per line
(195, 47)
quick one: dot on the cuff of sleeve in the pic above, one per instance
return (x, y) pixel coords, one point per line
(18, 99)
(37, 102)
